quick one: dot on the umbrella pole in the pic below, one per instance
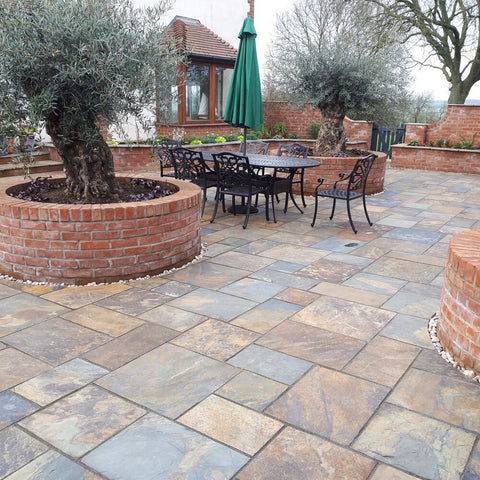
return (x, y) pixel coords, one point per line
(244, 143)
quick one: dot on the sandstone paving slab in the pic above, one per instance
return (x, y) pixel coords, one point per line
(349, 259)
(256, 246)
(52, 465)
(295, 253)
(134, 301)
(17, 449)
(297, 296)
(265, 316)
(23, 310)
(56, 340)
(375, 283)
(472, 470)
(390, 244)
(297, 455)
(214, 304)
(25, 367)
(383, 360)
(329, 403)
(432, 450)
(243, 261)
(286, 267)
(13, 407)
(404, 269)
(337, 244)
(384, 472)
(159, 378)
(252, 289)
(431, 361)
(410, 329)
(103, 320)
(410, 303)
(174, 289)
(173, 318)
(239, 428)
(252, 390)
(444, 398)
(285, 279)
(345, 317)
(420, 235)
(76, 297)
(311, 343)
(329, 270)
(271, 364)
(207, 274)
(6, 291)
(155, 447)
(133, 344)
(216, 339)
(350, 293)
(60, 381)
(78, 423)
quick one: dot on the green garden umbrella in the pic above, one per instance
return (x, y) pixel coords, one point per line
(244, 104)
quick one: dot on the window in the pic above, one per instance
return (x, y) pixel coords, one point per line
(203, 96)
(223, 78)
(198, 92)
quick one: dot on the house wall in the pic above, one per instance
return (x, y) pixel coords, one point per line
(296, 120)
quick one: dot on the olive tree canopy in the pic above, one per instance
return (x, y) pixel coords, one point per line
(449, 30)
(336, 55)
(76, 65)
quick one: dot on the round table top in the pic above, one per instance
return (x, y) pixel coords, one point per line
(274, 161)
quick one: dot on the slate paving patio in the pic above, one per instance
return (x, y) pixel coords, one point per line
(284, 353)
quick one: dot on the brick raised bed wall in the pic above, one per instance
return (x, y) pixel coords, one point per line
(78, 244)
(436, 159)
(458, 327)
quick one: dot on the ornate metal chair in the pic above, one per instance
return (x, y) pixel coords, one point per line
(300, 151)
(190, 165)
(235, 177)
(255, 147)
(163, 149)
(348, 187)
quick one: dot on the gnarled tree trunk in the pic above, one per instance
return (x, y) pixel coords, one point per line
(331, 135)
(89, 168)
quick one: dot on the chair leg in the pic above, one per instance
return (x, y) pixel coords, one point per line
(215, 208)
(315, 211)
(204, 200)
(366, 213)
(293, 201)
(302, 174)
(267, 214)
(273, 209)
(333, 208)
(350, 217)
(247, 215)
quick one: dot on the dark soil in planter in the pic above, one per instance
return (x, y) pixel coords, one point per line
(354, 152)
(49, 190)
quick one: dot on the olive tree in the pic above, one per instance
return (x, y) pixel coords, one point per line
(449, 32)
(336, 55)
(77, 66)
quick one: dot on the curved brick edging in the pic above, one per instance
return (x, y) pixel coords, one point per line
(78, 244)
(331, 166)
(458, 327)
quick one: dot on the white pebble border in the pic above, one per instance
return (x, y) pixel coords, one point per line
(432, 331)
(93, 284)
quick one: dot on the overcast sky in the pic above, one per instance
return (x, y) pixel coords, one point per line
(225, 18)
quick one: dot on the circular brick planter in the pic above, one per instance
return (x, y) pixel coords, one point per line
(331, 166)
(458, 327)
(79, 244)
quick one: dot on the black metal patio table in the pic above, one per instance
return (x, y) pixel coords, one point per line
(274, 161)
